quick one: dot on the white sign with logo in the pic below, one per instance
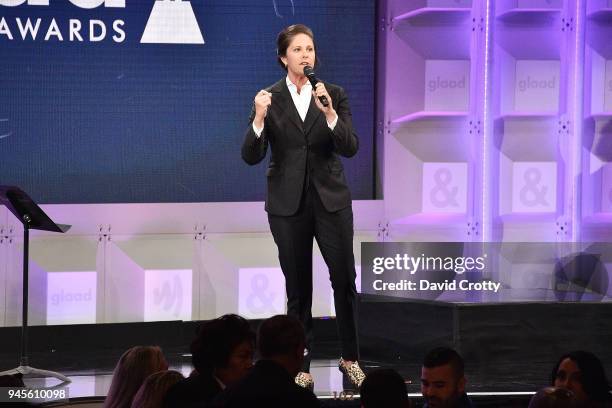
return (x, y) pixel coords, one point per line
(447, 85)
(537, 86)
(534, 187)
(170, 22)
(261, 292)
(445, 187)
(71, 297)
(168, 294)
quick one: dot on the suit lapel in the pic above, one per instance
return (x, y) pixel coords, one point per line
(311, 116)
(285, 102)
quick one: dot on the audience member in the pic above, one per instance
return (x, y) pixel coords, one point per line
(384, 388)
(583, 373)
(553, 397)
(12, 381)
(443, 380)
(134, 366)
(152, 392)
(222, 353)
(271, 384)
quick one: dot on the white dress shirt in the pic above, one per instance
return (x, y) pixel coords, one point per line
(301, 101)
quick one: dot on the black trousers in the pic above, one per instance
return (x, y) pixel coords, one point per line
(334, 234)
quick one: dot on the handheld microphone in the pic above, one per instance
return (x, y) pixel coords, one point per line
(309, 73)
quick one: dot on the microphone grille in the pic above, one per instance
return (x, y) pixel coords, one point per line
(308, 71)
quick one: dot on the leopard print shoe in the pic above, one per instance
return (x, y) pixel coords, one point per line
(354, 373)
(305, 380)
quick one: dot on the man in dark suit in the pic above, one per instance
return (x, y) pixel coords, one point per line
(270, 384)
(307, 195)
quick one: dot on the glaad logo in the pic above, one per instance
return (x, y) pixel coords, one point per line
(70, 297)
(86, 4)
(73, 28)
(171, 294)
(440, 83)
(532, 83)
(172, 22)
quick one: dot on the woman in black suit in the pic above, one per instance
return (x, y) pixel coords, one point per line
(307, 195)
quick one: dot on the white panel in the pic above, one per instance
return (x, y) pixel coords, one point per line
(261, 292)
(445, 187)
(534, 187)
(537, 86)
(168, 294)
(71, 297)
(447, 85)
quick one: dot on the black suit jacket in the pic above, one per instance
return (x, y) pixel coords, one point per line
(302, 149)
(193, 392)
(267, 385)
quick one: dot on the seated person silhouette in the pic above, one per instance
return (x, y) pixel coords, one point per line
(384, 388)
(270, 384)
(222, 353)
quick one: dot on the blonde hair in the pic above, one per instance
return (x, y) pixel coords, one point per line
(152, 392)
(134, 366)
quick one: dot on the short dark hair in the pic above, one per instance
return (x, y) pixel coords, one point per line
(442, 356)
(383, 388)
(592, 374)
(285, 37)
(280, 335)
(216, 339)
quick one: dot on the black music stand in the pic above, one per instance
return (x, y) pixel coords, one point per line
(32, 217)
